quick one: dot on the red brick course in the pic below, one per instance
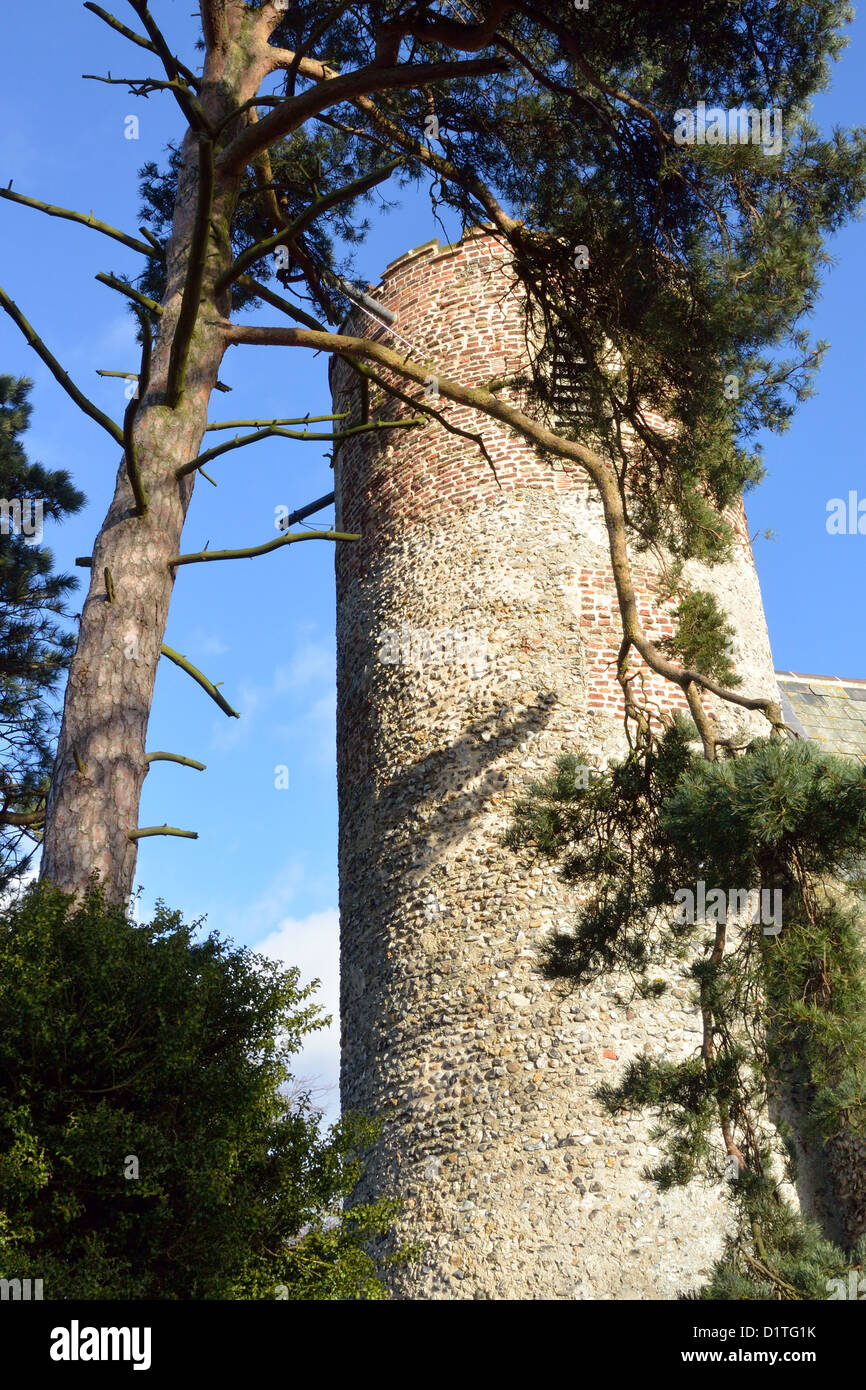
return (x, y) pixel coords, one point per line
(398, 482)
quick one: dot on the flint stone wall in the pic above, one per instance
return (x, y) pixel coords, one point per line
(512, 1175)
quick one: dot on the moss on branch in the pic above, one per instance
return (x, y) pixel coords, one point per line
(160, 757)
(200, 679)
(148, 830)
(203, 556)
(62, 377)
(121, 286)
(86, 220)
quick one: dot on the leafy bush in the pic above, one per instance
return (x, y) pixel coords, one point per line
(149, 1143)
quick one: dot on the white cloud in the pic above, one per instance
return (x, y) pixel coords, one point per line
(227, 733)
(325, 709)
(115, 336)
(312, 944)
(314, 661)
(312, 665)
(272, 902)
(206, 643)
(316, 727)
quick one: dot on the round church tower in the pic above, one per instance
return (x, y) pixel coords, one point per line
(477, 637)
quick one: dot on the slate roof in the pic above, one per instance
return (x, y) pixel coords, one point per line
(828, 709)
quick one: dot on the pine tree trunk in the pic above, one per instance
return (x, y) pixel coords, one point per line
(100, 767)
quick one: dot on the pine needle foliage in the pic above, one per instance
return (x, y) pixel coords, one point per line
(36, 642)
(784, 1010)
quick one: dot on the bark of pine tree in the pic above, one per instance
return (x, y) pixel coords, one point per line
(100, 766)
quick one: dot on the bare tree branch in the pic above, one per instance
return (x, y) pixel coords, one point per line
(275, 431)
(203, 556)
(367, 374)
(276, 301)
(138, 86)
(57, 371)
(122, 288)
(260, 424)
(114, 23)
(176, 758)
(250, 105)
(288, 234)
(87, 220)
(161, 830)
(186, 99)
(154, 241)
(600, 472)
(197, 257)
(200, 679)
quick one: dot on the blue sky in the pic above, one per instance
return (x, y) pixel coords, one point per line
(264, 867)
